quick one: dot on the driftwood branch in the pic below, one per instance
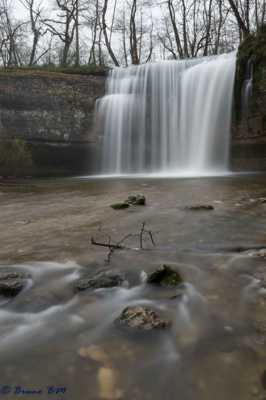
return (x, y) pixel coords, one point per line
(142, 232)
(109, 245)
(120, 244)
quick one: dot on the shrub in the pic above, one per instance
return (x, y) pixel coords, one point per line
(15, 158)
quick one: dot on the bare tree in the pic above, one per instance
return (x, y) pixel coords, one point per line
(38, 28)
(11, 35)
(106, 38)
(133, 34)
(64, 26)
(243, 22)
(175, 28)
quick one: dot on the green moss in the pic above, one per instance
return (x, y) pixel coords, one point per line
(264, 122)
(253, 49)
(165, 276)
(15, 158)
(90, 69)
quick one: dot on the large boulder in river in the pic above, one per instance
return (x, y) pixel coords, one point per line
(106, 279)
(165, 276)
(141, 318)
(12, 282)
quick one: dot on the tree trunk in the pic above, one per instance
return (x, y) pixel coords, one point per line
(104, 28)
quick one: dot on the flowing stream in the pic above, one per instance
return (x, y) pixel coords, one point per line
(54, 337)
(170, 117)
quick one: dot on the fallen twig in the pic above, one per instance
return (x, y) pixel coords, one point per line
(119, 245)
(110, 245)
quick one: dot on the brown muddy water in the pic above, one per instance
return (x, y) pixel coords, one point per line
(53, 338)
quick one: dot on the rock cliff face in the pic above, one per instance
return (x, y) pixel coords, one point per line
(54, 113)
(249, 117)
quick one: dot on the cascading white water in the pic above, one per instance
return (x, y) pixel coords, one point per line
(168, 117)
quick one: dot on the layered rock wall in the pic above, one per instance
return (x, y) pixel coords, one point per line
(54, 113)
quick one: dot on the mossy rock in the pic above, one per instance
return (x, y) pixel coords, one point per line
(15, 157)
(252, 49)
(165, 276)
(136, 200)
(119, 206)
(12, 282)
(141, 318)
(106, 279)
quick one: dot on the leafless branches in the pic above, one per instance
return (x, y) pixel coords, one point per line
(123, 32)
(120, 245)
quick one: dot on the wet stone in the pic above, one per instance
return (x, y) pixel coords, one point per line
(11, 287)
(165, 276)
(119, 206)
(102, 280)
(141, 318)
(6, 275)
(200, 207)
(12, 282)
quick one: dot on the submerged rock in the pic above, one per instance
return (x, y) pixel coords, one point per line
(106, 279)
(165, 276)
(119, 206)
(12, 282)
(136, 200)
(139, 317)
(95, 353)
(200, 207)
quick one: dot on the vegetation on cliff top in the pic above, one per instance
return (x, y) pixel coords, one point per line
(90, 69)
(253, 47)
(251, 50)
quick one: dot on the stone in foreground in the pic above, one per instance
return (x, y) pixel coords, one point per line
(102, 280)
(6, 275)
(138, 200)
(11, 287)
(141, 318)
(165, 276)
(12, 282)
(119, 206)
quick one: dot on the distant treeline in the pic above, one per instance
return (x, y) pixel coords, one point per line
(96, 33)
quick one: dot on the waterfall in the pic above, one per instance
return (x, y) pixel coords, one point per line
(247, 88)
(168, 117)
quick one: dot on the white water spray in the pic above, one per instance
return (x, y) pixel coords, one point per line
(168, 117)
